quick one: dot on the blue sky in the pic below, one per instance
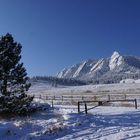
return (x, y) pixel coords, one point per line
(59, 33)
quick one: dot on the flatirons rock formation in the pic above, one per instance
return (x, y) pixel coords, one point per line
(105, 70)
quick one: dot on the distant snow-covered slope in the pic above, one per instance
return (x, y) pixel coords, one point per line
(117, 66)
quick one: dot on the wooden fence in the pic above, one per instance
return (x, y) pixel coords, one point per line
(95, 98)
(88, 97)
(101, 103)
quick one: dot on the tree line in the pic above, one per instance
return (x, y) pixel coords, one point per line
(54, 81)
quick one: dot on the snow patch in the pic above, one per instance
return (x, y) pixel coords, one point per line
(98, 65)
(137, 81)
(79, 70)
(127, 81)
(115, 60)
(61, 74)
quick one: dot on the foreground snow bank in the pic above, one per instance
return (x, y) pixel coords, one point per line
(63, 123)
(103, 123)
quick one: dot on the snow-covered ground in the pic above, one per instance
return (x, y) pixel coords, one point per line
(89, 92)
(128, 88)
(64, 123)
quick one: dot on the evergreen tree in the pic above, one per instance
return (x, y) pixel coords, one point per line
(13, 77)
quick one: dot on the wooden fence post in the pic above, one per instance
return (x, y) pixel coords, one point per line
(108, 97)
(136, 106)
(100, 103)
(62, 98)
(40, 96)
(85, 108)
(46, 97)
(52, 104)
(78, 107)
(95, 98)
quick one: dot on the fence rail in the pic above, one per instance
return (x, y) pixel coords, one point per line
(88, 97)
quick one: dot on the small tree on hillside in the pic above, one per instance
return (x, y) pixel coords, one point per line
(13, 77)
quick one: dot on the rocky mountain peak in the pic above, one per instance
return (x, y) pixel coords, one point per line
(115, 54)
(117, 66)
(115, 60)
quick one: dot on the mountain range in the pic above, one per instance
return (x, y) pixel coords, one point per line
(104, 70)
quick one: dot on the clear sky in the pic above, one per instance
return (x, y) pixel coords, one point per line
(59, 33)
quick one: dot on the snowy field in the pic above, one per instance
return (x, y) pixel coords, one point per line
(88, 92)
(129, 88)
(64, 123)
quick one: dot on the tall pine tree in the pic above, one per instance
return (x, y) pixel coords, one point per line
(13, 77)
